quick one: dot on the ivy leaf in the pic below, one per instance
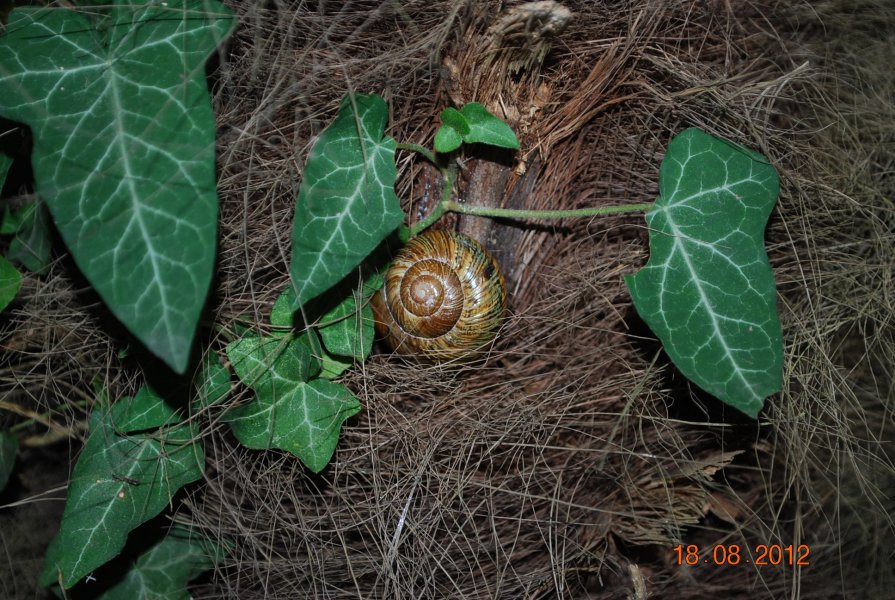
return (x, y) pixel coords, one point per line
(163, 571)
(346, 203)
(32, 243)
(349, 330)
(450, 135)
(708, 290)
(116, 99)
(447, 139)
(119, 482)
(9, 444)
(301, 418)
(10, 281)
(485, 128)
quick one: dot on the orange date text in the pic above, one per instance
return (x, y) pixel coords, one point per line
(732, 554)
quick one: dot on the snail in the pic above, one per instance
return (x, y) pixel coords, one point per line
(444, 298)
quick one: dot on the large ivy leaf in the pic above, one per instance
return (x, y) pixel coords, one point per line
(163, 571)
(301, 418)
(123, 155)
(9, 444)
(346, 203)
(708, 290)
(119, 482)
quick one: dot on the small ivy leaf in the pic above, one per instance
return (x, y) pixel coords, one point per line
(346, 203)
(485, 128)
(118, 104)
(213, 384)
(166, 568)
(348, 330)
(447, 139)
(264, 362)
(118, 483)
(10, 281)
(283, 314)
(9, 444)
(32, 242)
(301, 418)
(708, 290)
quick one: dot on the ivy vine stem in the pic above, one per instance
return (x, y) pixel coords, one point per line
(512, 213)
(447, 205)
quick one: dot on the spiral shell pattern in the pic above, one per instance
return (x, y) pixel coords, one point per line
(443, 299)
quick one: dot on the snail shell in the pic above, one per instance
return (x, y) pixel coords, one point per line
(444, 298)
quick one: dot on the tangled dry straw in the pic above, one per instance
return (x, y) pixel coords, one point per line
(571, 461)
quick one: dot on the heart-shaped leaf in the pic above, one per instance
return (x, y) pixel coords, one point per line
(708, 290)
(288, 413)
(116, 99)
(346, 203)
(485, 128)
(119, 482)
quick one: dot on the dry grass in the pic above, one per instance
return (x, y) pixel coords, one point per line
(571, 461)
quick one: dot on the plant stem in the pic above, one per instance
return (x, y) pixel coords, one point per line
(511, 213)
(447, 205)
(430, 156)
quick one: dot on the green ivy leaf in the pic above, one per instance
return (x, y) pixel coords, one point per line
(485, 128)
(119, 482)
(301, 418)
(10, 281)
(32, 243)
(116, 99)
(447, 139)
(348, 329)
(708, 290)
(163, 571)
(9, 445)
(346, 203)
